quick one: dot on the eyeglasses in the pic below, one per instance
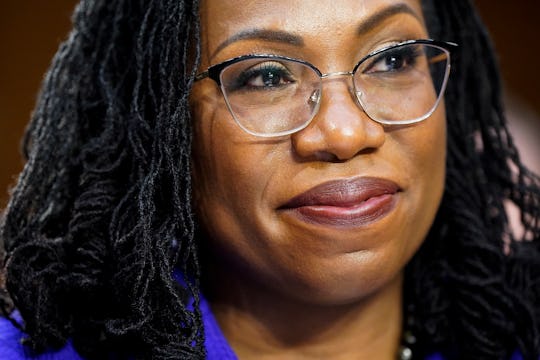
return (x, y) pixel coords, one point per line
(271, 95)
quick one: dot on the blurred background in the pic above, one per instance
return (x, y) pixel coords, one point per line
(31, 30)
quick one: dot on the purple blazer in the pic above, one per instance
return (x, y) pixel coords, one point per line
(216, 345)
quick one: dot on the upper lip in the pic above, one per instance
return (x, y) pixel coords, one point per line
(343, 193)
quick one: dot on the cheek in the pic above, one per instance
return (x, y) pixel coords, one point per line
(422, 149)
(226, 169)
(432, 147)
(230, 176)
(424, 163)
(235, 178)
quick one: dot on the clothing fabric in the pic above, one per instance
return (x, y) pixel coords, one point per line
(12, 348)
(217, 347)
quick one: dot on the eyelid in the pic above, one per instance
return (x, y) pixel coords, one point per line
(408, 53)
(263, 65)
(214, 71)
(259, 68)
(267, 63)
(384, 45)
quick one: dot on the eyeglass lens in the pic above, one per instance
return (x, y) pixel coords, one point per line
(274, 96)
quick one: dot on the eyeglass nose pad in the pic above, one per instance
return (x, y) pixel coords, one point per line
(315, 97)
(359, 96)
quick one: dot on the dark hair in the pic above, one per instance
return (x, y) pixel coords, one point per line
(475, 283)
(101, 215)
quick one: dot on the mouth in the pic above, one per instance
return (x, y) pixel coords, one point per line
(353, 202)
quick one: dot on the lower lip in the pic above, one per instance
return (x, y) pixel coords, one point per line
(358, 215)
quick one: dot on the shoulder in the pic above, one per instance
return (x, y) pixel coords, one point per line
(11, 346)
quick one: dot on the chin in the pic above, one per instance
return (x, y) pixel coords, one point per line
(345, 287)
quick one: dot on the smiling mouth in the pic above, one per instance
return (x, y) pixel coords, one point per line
(353, 202)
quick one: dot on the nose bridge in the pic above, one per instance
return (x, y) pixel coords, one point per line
(336, 73)
(337, 98)
(330, 86)
(340, 127)
(338, 77)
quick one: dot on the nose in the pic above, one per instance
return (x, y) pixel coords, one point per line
(341, 129)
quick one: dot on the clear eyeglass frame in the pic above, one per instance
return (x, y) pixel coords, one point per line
(312, 97)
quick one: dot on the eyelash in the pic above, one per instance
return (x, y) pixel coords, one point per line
(408, 54)
(241, 81)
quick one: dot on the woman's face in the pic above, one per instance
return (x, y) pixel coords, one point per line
(333, 212)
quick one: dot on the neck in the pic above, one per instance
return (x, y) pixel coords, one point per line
(260, 323)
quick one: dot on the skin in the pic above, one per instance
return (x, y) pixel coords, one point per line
(285, 288)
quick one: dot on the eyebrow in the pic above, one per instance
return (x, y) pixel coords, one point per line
(281, 36)
(263, 34)
(384, 14)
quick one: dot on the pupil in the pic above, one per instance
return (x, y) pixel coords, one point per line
(270, 79)
(394, 62)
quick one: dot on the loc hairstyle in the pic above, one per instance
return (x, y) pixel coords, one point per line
(474, 286)
(101, 216)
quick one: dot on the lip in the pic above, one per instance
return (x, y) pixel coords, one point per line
(352, 202)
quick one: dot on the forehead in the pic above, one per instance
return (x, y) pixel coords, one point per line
(221, 20)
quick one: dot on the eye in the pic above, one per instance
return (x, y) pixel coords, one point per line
(266, 75)
(394, 60)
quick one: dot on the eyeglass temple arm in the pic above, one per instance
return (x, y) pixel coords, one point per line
(202, 75)
(438, 58)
